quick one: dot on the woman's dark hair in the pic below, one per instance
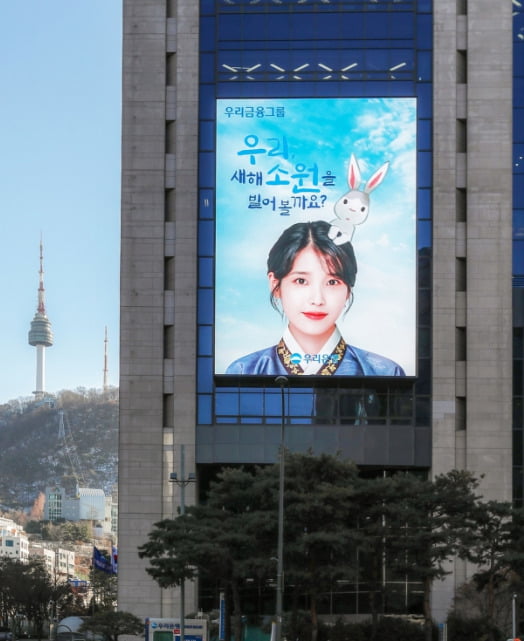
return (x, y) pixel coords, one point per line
(339, 258)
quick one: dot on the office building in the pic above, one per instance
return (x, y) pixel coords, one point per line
(240, 118)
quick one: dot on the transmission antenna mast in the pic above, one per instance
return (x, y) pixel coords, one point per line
(40, 334)
(105, 361)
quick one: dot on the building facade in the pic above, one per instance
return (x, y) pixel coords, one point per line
(59, 562)
(185, 64)
(14, 542)
(88, 504)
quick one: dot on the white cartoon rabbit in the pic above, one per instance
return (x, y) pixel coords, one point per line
(353, 208)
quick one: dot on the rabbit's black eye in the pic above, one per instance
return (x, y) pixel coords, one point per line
(345, 201)
(362, 209)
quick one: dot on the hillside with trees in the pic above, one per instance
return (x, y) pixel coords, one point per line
(70, 439)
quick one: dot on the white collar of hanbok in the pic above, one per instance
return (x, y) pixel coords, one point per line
(309, 365)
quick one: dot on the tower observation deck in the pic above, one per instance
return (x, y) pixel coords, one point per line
(40, 335)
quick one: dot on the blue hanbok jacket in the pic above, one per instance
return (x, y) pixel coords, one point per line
(346, 360)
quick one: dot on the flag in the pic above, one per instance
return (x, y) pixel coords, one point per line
(114, 560)
(101, 562)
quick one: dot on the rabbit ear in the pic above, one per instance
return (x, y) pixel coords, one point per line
(354, 178)
(376, 178)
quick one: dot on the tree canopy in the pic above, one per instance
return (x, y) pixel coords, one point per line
(110, 625)
(339, 527)
(28, 589)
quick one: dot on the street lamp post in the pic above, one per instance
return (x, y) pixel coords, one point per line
(514, 616)
(181, 481)
(282, 381)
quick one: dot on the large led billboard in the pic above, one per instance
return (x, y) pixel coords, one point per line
(316, 237)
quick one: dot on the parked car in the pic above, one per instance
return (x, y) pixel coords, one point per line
(6, 634)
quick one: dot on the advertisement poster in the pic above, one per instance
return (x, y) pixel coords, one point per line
(325, 190)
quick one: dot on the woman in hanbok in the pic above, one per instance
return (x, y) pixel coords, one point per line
(311, 280)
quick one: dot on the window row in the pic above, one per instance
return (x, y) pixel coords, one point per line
(298, 6)
(324, 406)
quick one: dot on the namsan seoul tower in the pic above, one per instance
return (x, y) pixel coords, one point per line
(40, 334)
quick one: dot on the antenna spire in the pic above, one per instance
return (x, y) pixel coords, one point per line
(105, 361)
(41, 290)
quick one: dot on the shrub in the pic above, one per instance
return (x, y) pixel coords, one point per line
(388, 629)
(462, 629)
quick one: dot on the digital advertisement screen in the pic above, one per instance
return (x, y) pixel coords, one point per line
(316, 237)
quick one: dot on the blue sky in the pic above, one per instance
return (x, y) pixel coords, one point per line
(60, 80)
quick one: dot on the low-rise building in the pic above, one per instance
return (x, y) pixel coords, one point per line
(88, 504)
(14, 542)
(59, 561)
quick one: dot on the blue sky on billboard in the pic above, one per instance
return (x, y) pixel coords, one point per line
(285, 161)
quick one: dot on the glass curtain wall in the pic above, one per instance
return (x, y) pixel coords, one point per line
(307, 49)
(257, 49)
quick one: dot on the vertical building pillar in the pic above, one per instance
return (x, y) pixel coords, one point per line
(472, 196)
(158, 282)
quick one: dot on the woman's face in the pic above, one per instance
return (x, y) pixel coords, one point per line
(312, 298)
